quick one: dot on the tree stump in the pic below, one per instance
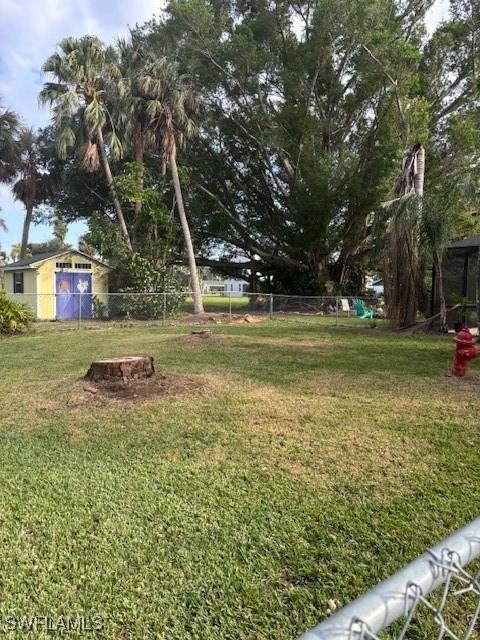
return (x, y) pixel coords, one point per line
(127, 368)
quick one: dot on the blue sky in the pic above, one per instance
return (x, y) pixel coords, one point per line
(29, 33)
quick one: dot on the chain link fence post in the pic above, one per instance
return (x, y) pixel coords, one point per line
(336, 311)
(164, 313)
(79, 310)
(229, 305)
(405, 594)
(271, 306)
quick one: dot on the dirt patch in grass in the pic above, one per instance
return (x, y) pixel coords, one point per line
(201, 338)
(218, 318)
(131, 391)
(200, 319)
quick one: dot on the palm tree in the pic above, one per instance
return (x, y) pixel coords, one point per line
(15, 252)
(131, 113)
(84, 71)
(60, 230)
(131, 117)
(9, 126)
(170, 103)
(31, 183)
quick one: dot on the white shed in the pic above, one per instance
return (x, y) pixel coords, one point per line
(234, 288)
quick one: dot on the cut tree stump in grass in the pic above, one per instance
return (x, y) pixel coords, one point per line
(127, 368)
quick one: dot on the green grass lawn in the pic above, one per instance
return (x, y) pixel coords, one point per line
(220, 304)
(313, 462)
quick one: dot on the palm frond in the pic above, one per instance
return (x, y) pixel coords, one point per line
(9, 150)
(65, 141)
(52, 91)
(94, 115)
(114, 144)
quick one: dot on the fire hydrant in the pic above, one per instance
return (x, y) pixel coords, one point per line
(465, 350)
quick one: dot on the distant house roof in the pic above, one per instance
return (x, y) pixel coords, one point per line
(466, 243)
(223, 281)
(30, 262)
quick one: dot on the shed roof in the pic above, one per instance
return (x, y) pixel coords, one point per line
(30, 262)
(466, 243)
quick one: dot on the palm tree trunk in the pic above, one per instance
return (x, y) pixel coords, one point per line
(197, 294)
(441, 294)
(116, 201)
(140, 178)
(26, 229)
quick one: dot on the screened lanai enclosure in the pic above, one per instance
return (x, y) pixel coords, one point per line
(460, 268)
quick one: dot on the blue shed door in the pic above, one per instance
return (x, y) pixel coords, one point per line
(73, 295)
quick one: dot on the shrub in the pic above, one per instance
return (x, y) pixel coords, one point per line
(100, 308)
(147, 283)
(14, 316)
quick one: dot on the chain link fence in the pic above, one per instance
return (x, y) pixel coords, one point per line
(177, 307)
(436, 596)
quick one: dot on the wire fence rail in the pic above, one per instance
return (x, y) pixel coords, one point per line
(172, 305)
(435, 596)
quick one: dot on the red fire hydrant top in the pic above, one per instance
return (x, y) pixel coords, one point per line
(465, 350)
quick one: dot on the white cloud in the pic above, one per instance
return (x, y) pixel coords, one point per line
(31, 29)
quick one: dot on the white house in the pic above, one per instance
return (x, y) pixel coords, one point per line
(377, 286)
(213, 286)
(228, 287)
(234, 287)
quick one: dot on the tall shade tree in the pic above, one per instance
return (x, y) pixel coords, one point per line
(31, 181)
(83, 70)
(308, 110)
(301, 141)
(9, 127)
(171, 104)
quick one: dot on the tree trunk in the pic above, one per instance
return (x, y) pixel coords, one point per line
(441, 294)
(128, 368)
(26, 230)
(197, 293)
(140, 177)
(116, 201)
(403, 270)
